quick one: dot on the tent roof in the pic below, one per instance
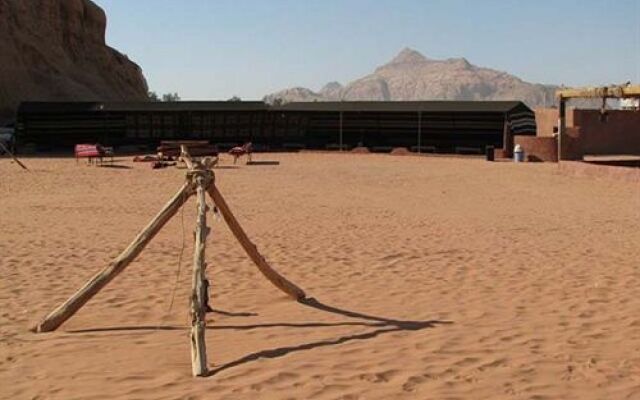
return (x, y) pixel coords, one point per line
(404, 106)
(321, 106)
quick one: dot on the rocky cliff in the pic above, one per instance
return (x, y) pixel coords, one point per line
(412, 76)
(55, 50)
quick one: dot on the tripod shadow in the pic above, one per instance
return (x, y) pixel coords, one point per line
(231, 313)
(114, 166)
(226, 167)
(404, 325)
(221, 327)
(382, 325)
(379, 325)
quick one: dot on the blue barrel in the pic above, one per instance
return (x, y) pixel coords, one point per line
(518, 154)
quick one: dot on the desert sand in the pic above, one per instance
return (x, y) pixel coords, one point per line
(432, 278)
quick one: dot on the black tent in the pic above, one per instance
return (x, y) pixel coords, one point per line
(418, 125)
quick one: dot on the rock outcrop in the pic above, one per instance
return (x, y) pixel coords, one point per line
(294, 94)
(412, 76)
(55, 50)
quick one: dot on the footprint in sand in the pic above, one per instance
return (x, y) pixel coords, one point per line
(415, 381)
(380, 377)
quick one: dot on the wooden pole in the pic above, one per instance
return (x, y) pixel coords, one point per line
(186, 157)
(58, 316)
(13, 156)
(419, 131)
(340, 131)
(626, 91)
(562, 125)
(507, 138)
(272, 275)
(198, 318)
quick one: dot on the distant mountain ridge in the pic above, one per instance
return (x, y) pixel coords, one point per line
(412, 76)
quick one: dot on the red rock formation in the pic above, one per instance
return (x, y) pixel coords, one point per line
(412, 76)
(55, 50)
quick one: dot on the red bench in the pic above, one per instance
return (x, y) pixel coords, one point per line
(93, 152)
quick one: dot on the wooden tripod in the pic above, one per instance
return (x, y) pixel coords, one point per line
(199, 179)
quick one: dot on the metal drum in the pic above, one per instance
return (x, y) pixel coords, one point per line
(518, 153)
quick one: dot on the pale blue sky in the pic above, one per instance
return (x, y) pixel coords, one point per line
(214, 49)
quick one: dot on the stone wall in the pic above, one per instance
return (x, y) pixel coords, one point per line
(546, 121)
(619, 133)
(538, 148)
(588, 133)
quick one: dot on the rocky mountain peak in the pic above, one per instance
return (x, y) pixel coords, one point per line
(408, 56)
(459, 62)
(331, 86)
(412, 76)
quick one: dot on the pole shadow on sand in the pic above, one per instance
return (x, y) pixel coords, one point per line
(382, 325)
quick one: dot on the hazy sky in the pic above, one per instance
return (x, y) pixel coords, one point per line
(215, 49)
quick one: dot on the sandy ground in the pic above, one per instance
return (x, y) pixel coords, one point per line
(433, 278)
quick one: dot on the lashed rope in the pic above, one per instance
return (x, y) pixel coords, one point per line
(175, 285)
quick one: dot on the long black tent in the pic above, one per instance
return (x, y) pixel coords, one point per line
(418, 125)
